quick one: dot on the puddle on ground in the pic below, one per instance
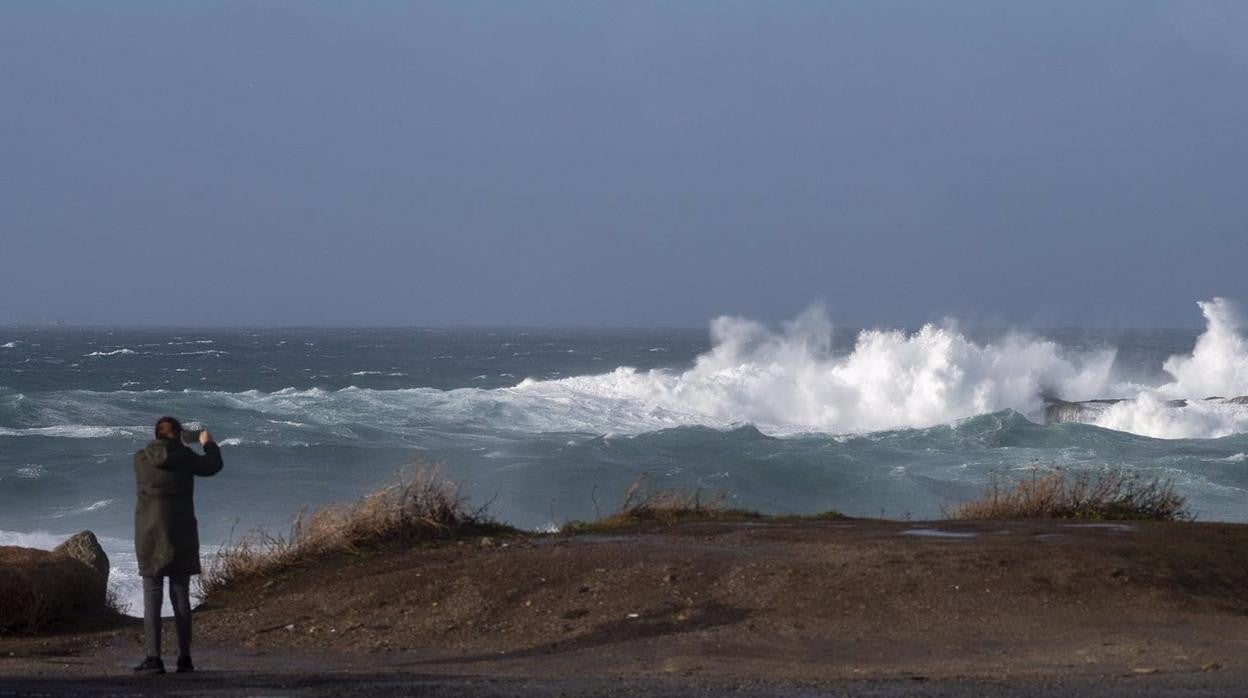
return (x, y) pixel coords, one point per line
(936, 533)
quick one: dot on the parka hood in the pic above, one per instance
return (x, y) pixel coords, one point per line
(157, 451)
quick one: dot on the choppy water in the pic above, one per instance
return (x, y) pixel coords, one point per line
(541, 422)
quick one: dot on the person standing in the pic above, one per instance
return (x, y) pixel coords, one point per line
(166, 534)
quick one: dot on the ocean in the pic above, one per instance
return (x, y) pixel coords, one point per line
(550, 425)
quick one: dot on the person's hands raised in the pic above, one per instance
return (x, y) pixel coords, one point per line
(204, 437)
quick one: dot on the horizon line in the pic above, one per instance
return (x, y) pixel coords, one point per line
(549, 327)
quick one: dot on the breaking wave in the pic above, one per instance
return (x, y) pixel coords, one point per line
(785, 381)
(74, 431)
(1148, 415)
(790, 381)
(115, 352)
(1216, 367)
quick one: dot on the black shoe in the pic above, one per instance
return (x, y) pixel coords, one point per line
(184, 665)
(151, 665)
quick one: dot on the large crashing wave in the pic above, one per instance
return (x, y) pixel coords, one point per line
(782, 381)
(791, 381)
(1217, 366)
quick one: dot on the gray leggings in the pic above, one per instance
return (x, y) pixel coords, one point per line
(153, 599)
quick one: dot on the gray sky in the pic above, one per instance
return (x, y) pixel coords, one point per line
(624, 163)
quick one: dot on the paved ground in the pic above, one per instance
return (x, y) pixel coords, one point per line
(219, 684)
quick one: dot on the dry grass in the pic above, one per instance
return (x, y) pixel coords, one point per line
(643, 505)
(419, 506)
(1107, 495)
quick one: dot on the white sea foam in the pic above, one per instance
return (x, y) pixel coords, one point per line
(40, 540)
(784, 382)
(1151, 416)
(115, 352)
(1217, 366)
(73, 431)
(9, 345)
(82, 509)
(791, 381)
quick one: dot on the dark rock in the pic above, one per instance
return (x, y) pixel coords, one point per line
(39, 588)
(85, 548)
(1059, 411)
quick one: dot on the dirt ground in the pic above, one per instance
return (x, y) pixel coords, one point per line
(805, 608)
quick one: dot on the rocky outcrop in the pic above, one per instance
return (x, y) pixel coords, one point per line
(41, 587)
(85, 548)
(1059, 411)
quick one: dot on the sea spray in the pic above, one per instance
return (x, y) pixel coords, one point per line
(790, 381)
(1216, 367)
(786, 381)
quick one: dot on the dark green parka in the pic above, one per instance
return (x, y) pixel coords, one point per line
(166, 536)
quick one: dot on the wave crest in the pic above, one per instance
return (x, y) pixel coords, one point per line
(790, 380)
(1218, 365)
(784, 381)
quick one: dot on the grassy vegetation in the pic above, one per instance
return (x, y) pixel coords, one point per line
(424, 507)
(420, 506)
(643, 505)
(1106, 495)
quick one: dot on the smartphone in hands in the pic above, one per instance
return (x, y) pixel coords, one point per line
(191, 432)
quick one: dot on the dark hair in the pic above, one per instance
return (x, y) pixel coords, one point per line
(173, 423)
